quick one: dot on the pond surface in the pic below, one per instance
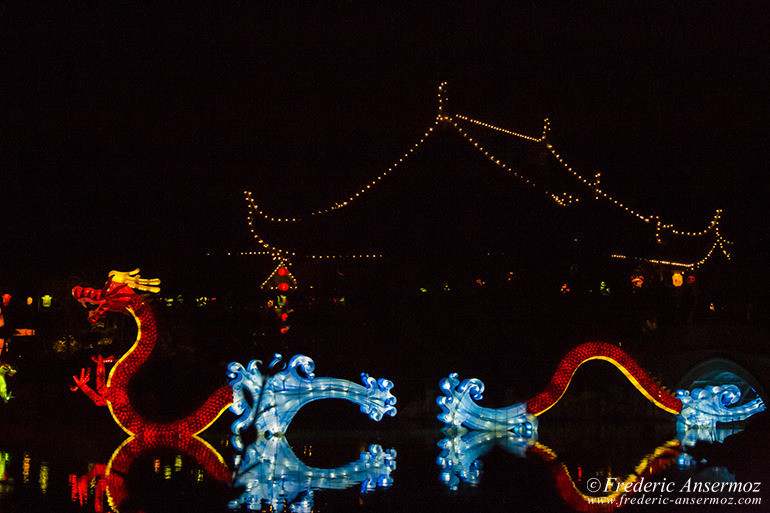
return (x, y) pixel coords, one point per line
(335, 459)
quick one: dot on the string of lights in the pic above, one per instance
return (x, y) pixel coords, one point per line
(275, 252)
(563, 199)
(593, 185)
(369, 185)
(283, 255)
(343, 203)
(282, 267)
(505, 131)
(320, 257)
(655, 261)
(720, 242)
(652, 218)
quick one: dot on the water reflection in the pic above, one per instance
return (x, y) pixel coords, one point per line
(272, 475)
(133, 448)
(462, 452)
(278, 474)
(5, 484)
(108, 483)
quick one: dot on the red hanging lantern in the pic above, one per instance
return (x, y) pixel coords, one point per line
(282, 271)
(284, 317)
(283, 287)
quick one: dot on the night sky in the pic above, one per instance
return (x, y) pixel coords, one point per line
(129, 133)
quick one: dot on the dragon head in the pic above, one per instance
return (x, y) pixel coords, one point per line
(116, 295)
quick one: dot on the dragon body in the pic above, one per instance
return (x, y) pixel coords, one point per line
(700, 407)
(119, 295)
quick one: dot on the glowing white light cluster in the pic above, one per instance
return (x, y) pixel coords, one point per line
(704, 407)
(270, 474)
(267, 399)
(459, 408)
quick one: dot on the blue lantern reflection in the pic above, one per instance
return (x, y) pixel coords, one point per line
(271, 474)
(460, 455)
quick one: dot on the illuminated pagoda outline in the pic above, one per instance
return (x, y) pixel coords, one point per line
(557, 181)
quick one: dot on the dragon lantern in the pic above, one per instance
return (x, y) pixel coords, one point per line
(119, 294)
(700, 407)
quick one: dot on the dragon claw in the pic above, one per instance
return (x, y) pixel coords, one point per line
(85, 377)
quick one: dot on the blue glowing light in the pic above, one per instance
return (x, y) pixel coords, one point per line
(461, 452)
(271, 473)
(269, 398)
(704, 407)
(460, 409)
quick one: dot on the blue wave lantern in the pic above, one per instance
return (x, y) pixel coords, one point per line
(459, 410)
(705, 407)
(271, 473)
(269, 398)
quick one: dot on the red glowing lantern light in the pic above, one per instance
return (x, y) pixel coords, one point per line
(284, 317)
(283, 287)
(6, 299)
(283, 271)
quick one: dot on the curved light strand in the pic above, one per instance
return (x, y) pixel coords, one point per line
(344, 203)
(563, 199)
(720, 242)
(594, 184)
(652, 218)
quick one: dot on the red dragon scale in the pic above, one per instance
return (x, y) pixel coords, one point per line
(118, 295)
(659, 396)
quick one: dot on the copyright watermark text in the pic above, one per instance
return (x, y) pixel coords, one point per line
(665, 492)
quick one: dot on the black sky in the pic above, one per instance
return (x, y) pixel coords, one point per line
(129, 132)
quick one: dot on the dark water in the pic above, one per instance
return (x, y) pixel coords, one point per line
(57, 462)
